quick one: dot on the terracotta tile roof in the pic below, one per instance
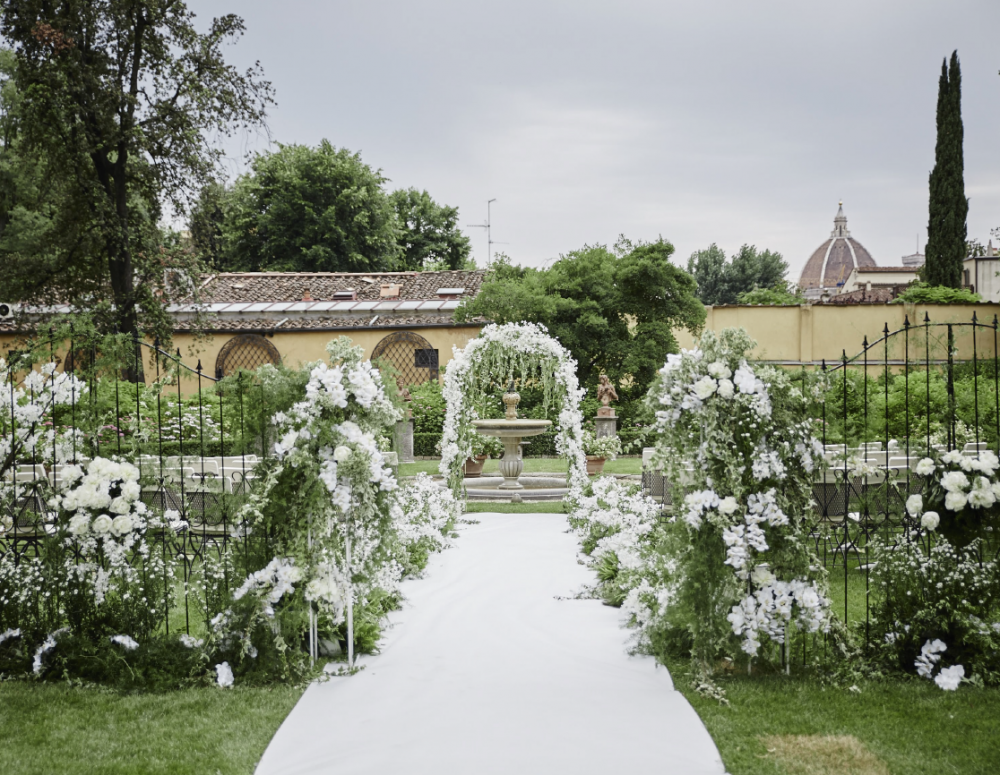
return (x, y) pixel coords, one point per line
(908, 269)
(233, 323)
(321, 286)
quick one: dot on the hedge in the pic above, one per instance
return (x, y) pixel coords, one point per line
(424, 444)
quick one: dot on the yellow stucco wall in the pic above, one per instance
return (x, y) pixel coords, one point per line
(808, 334)
(297, 348)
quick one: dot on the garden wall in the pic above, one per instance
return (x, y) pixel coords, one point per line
(807, 334)
(295, 347)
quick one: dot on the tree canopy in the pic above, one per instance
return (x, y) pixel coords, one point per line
(121, 101)
(777, 295)
(721, 282)
(322, 209)
(302, 209)
(429, 236)
(948, 207)
(614, 309)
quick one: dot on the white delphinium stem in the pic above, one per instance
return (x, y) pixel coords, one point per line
(350, 605)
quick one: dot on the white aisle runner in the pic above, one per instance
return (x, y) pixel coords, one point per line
(485, 671)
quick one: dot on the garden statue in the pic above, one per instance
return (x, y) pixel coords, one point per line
(606, 394)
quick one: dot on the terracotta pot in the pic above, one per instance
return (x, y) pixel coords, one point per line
(473, 467)
(595, 464)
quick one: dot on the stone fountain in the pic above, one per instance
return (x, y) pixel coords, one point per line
(511, 431)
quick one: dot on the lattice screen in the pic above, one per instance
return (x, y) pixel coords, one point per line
(245, 351)
(412, 357)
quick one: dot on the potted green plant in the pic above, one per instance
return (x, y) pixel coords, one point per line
(598, 450)
(482, 448)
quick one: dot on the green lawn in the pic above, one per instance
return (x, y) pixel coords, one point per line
(547, 507)
(532, 465)
(907, 727)
(52, 728)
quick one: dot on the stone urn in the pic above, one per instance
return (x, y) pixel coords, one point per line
(595, 464)
(473, 467)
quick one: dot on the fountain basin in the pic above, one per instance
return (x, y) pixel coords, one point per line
(510, 428)
(510, 432)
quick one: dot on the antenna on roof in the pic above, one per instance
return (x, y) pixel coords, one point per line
(489, 240)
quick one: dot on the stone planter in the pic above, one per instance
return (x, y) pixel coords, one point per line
(473, 467)
(595, 464)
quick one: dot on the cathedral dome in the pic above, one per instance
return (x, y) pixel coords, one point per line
(833, 261)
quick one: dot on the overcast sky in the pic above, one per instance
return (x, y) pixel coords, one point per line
(717, 121)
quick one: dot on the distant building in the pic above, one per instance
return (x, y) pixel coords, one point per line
(871, 277)
(979, 274)
(832, 263)
(915, 259)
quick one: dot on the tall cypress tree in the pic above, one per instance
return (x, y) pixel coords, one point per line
(946, 229)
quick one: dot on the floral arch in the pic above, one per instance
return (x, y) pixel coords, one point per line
(499, 353)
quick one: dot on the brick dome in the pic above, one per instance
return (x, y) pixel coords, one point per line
(833, 261)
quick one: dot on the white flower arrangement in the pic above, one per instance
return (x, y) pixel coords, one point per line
(271, 583)
(963, 490)
(500, 352)
(747, 461)
(25, 405)
(608, 447)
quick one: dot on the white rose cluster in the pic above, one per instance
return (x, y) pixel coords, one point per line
(967, 482)
(109, 488)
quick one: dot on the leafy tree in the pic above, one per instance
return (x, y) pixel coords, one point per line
(205, 223)
(777, 295)
(721, 282)
(428, 232)
(613, 309)
(946, 227)
(303, 209)
(124, 96)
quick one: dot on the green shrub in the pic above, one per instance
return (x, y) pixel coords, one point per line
(922, 293)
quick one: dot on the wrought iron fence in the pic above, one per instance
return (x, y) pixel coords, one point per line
(196, 451)
(925, 386)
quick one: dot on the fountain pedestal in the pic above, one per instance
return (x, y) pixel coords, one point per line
(510, 431)
(511, 464)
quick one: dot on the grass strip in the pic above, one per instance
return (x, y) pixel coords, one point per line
(56, 728)
(539, 465)
(904, 727)
(547, 507)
